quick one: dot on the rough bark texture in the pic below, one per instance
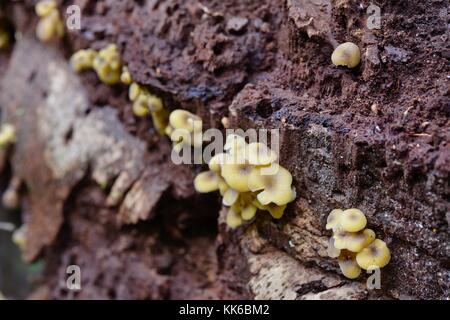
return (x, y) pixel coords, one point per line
(102, 192)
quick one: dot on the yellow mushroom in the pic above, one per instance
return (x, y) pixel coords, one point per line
(182, 119)
(333, 219)
(7, 134)
(274, 187)
(83, 59)
(50, 27)
(233, 218)
(140, 108)
(160, 120)
(353, 241)
(259, 154)
(237, 175)
(207, 181)
(332, 251)
(134, 91)
(230, 197)
(377, 254)
(346, 54)
(107, 64)
(216, 162)
(4, 38)
(352, 220)
(45, 7)
(125, 76)
(348, 266)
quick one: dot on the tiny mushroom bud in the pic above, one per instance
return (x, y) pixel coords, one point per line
(125, 77)
(332, 251)
(377, 254)
(134, 91)
(7, 134)
(230, 197)
(348, 266)
(333, 219)
(140, 108)
(182, 119)
(207, 181)
(45, 7)
(352, 220)
(346, 54)
(233, 218)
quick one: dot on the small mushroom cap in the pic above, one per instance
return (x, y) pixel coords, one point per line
(233, 218)
(154, 103)
(237, 175)
(377, 254)
(7, 134)
(45, 7)
(352, 220)
(332, 251)
(207, 181)
(160, 120)
(248, 211)
(46, 29)
(333, 219)
(10, 199)
(134, 91)
(125, 77)
(353, 241)
(182, 119)
(259, 154)
(140, 108)
(349, 267)
(346, 54)
(230, 197)
(275, 188)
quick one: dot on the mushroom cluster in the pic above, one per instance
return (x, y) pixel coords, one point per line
(355, 246)
(108, 66)
(185, 128)
(145, 103)
(249, 179)
(50, 25)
